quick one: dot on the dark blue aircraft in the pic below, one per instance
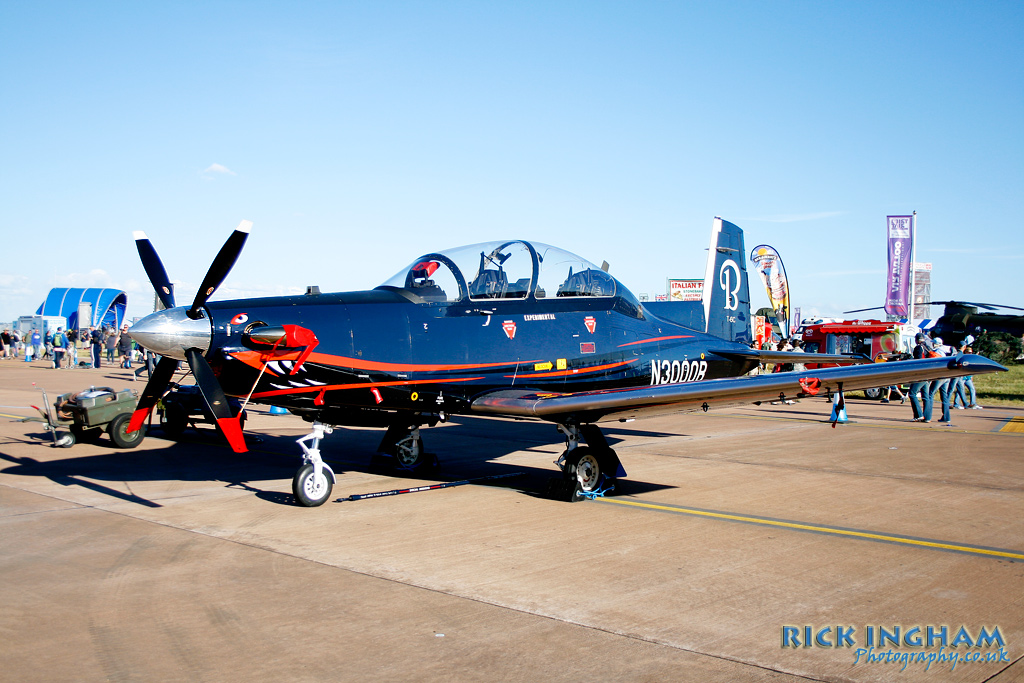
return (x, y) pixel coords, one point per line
(510, 328)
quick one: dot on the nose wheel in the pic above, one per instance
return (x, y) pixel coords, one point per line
(311, 488)
(315, 480)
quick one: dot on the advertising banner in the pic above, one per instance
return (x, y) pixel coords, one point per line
(686, 290)
(900, 232)
(762, 331)
(768, 263)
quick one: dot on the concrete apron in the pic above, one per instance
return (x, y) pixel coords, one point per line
(186, 561)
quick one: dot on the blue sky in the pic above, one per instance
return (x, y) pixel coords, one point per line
(357, 136)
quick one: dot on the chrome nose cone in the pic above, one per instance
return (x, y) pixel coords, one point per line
(171, 331)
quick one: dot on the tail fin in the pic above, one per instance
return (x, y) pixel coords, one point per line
(726, 292)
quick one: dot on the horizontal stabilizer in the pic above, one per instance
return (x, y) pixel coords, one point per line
(689, 314)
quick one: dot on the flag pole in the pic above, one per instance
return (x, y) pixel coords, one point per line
(913, 267)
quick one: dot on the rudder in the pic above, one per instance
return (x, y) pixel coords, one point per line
(726, 290)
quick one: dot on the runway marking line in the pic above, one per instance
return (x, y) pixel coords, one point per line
(838, 531)
(19, 417)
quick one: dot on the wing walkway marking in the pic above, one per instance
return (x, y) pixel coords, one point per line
(817, 528)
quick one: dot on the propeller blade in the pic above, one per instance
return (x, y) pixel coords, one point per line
(216, 400)
(154, 390)
(220, 267)
(862, 310)
(154, 269)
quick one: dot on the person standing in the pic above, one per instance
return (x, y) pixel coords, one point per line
(956, 388)
(124, 348)
(72, 335)
(922, 412)
(110, 344)
(37, 344)
(885, 358)
(969, 383)
(5, 341)
(59, 341)
(96, 341)
(147, 364)
(942, 385)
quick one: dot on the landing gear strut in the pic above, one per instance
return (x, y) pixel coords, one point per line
(315, 480)
(405, 445)
(587, 471)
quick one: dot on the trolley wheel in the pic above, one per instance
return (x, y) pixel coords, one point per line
(86, 434)
(310, 490)
(118, 431)
(65, 440)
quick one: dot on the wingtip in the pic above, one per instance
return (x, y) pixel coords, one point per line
(982, 363)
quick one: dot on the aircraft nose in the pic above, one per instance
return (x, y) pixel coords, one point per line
(171, 331)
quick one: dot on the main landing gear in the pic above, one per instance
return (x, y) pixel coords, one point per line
(402, 450)
(587, 471)
(315, 480)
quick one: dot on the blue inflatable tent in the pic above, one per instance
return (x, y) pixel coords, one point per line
(108, 306)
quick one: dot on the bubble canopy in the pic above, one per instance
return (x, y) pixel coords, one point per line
(513, 269)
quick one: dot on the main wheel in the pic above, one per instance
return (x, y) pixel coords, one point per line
(409, 453)
(310, 490)
(175, 420)
(873, 394)
(583, 473)
(118, 431)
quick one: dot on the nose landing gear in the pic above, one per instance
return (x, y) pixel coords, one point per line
(315, 480)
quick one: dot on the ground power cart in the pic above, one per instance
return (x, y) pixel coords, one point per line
(89, 413)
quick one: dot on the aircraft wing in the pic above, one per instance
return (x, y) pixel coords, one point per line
(612, 404)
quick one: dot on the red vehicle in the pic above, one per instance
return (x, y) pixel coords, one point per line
(878, 340)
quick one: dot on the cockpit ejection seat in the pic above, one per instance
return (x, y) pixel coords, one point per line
(489, 284)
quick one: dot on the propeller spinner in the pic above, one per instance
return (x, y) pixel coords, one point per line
(184, 334)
